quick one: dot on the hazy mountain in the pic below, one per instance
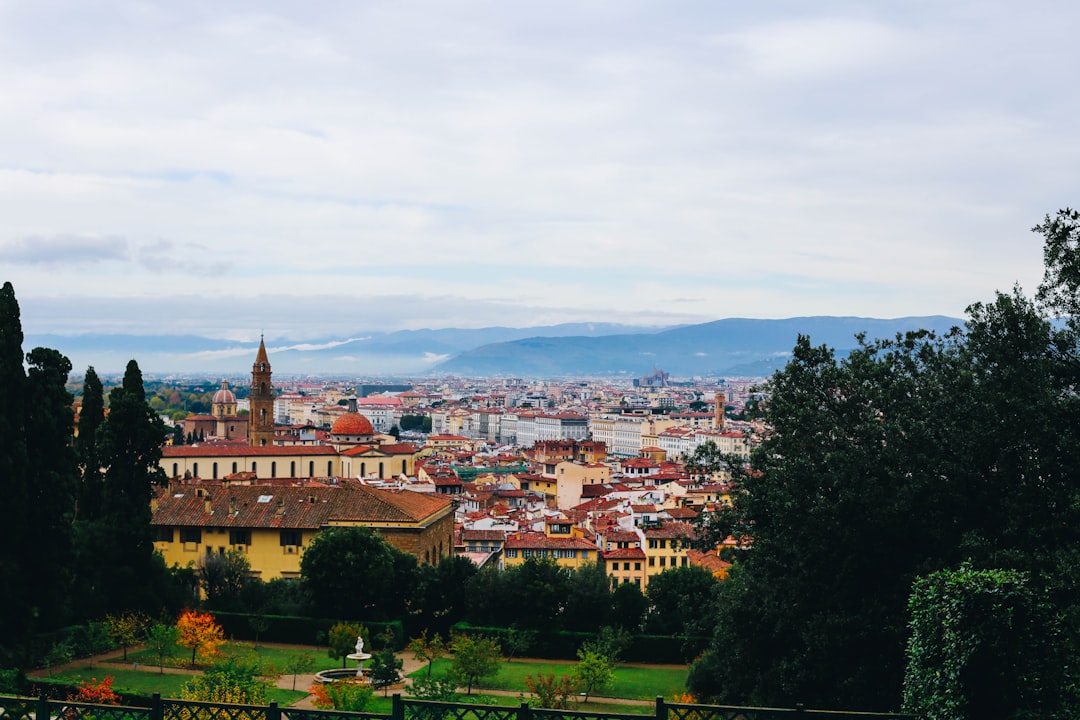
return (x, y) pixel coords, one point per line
(734, 347)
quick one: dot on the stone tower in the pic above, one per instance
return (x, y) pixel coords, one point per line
(718, 418)
(261, 424)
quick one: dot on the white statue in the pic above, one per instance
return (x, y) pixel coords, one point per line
(359, 645)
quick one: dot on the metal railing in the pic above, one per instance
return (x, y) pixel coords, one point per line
(42, 708)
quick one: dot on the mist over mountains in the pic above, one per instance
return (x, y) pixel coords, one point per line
(734, 347)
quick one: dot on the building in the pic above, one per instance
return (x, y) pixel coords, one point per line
(273, 525)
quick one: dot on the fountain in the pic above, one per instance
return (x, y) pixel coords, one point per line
(326, 676)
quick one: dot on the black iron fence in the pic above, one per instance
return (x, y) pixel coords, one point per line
(42, 708)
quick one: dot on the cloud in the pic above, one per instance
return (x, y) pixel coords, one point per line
(64, 250)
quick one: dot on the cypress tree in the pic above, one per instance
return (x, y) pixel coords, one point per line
(130, 446)
(51, 510)
(91, 416)
(13, 463)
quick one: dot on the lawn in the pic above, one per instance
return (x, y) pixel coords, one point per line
(273, 659)
(631, 681)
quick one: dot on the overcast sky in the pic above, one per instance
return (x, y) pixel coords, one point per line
(318, 169)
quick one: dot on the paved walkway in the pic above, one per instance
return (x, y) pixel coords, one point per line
(306, 680)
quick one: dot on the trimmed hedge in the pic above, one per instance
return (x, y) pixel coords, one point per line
(563, 645)
(293, 630)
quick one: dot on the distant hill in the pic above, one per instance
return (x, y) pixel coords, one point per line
(735, 346)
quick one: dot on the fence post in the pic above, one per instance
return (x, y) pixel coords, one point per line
(273, 712)
(42, 707)
(800, 709)
(661, 708)
(397, 707)
(157, 712)
(524, 711)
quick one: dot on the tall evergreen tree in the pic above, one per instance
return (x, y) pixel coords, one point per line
(91, 417)
(49, 536)
(13, 463)
(130, 446)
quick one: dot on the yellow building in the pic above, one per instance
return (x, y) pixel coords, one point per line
(215, 462)
(568, 552)
(379, 461)
(666, 546)
(273, 524)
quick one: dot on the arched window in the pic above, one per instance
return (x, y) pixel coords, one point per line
(215, 471)
(404, 467)
(174, 469)
(273, 469)
(253, 465)
(311, 469)
(329, 468)
(363, 469)
(195, 469)
(292, 468)
(234, 466)
(380, 470)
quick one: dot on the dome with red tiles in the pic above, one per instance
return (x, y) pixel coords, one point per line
(352, 423)
(224, 396)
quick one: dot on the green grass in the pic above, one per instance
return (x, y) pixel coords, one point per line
(635, 683)
(271, 659)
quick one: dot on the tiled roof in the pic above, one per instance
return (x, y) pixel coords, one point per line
(540, 540)
(634, 553)
(311, 506)
(467, 534)
(672, 530)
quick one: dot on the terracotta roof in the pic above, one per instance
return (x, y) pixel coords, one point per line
(672, 529)
(311, 507)
(352, 424)
(634, 553)
(467, 534)
(540, 540)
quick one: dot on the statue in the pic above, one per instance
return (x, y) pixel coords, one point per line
(359, 645)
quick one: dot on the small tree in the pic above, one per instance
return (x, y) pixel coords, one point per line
(427, 650)
(385, 667)
(258, 623)
(299, 663)
(593, 671)
(161, 642)
(552, 692)
(200, 633)
(341, 640)
(98, 693)
(234, 680)
(127, 628)
(610, 642)
(60, 653)
(518, 641)
(475, 657)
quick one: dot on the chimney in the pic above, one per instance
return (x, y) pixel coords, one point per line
(206, 503)
(281, 506)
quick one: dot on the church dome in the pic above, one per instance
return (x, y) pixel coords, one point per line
(352, 423)
(224, 396)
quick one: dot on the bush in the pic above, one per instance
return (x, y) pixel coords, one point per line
(346, 695)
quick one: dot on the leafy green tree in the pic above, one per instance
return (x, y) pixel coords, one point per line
(552, 692)
(49, 542)
(341, 640)
(536, 592)
(14, 485)
(299, 663)
(474, 658)
(610, 642)
(127, 628)
(593, 672)
(223, 578)
(682, 601)
(984, 643)
(235, 679)
(161, 641)
(427, 649)
(385, 668)
(352, 572)
(588, 598)
(517, 642)
(441, 593)
(628, 607)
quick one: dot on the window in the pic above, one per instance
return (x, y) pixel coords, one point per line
(663, 562)
(311, 469)
(234, 467)
(290, 537)
(195, 469)
(273, 469)
(164, 534)
(683, 561)
(292, 469)
(253, 466)
(637, 566)
(512, 553)
(215, 471)
(652, 562)
(239, 537)
(330, 468)
(190, 535)
(174, 469)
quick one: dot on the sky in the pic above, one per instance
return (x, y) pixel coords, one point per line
(315, 170)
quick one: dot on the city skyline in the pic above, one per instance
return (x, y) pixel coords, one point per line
(311, 172)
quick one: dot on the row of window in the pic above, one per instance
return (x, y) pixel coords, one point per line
(254, 468)
(543, 553)
(236, 537)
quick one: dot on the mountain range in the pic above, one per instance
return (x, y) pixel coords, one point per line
(732, 347)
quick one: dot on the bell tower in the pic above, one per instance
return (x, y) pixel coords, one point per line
(261, 423)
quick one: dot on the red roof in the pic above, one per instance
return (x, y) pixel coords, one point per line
(352, 424)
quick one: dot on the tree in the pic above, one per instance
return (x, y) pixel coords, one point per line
(517, 642)
(200, 633)
(475, 658)
(593, 671)
(588, 598)
(536, 592)
(223, 578)
(14, 464)
(682, 601)
(161, 641)
(130, 445)
(984, 643)
(610, 642)
(49, 540)
(552, 692)
(341, 640)
(628, 607)
(237, 680)
(385, 668)
(127, 628)
(425, 649)
(91, 417)
(441, 593)
(352, 571)
(299, 663)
